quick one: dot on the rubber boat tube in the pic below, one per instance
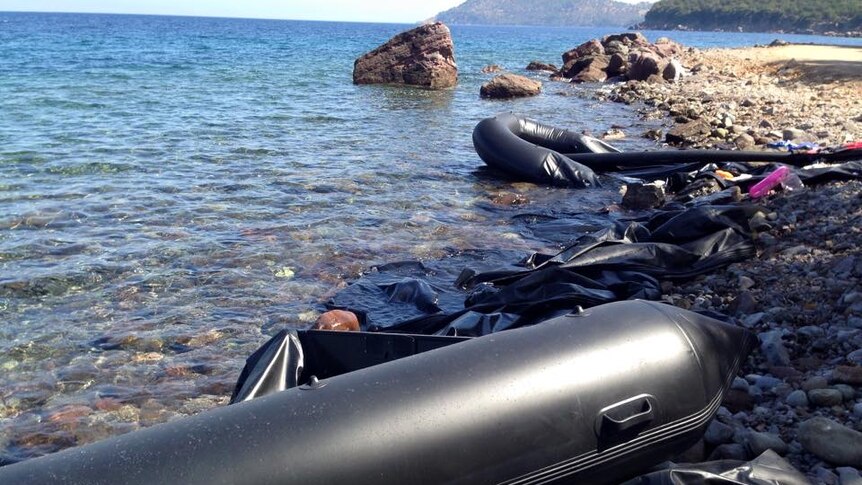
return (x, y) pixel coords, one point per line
(539, 153)
(592, 397)
(533, 152)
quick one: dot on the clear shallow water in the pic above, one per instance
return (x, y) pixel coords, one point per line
(174, 189)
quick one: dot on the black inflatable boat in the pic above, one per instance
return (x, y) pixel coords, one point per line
(530, 151)
(592, 397)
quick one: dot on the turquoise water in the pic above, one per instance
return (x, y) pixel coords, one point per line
(173, 190)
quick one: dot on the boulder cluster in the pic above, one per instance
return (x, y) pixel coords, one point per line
(621, 57)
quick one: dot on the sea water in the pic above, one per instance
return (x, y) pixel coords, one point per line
(173, 190)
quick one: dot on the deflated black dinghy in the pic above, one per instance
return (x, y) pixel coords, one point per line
(592, 397)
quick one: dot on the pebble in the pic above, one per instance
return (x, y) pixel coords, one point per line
(849, 475)
(848, 375)
(857, 410)
(797, 399)
(825, 397)
(832, 441)
(825, 476)
(753, 320)
(760, 442)
(855, 357)
(746, 283)
(718, 433)
(816, 382)
(846, 391)
(773, 348)
(739, 384)
(767, 383)
(731, 451)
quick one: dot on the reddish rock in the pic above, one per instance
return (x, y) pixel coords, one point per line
(339, 320)
(667, 47)
(688, 132)
(644, 64)
(491, 69)
(589, 48)
(424, 56)
(510, 86)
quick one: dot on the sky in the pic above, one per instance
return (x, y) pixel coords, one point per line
(397, 11)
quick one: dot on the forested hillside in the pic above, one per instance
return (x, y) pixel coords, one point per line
(756, 15)
(546, 12)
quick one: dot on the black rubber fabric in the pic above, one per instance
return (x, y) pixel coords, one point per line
(623, 262)
(767, 469)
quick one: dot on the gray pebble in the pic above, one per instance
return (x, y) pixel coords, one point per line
(767, 383)
(745, 303)
(729, 452)
(811, 331)
(746, 283)
(849, 475)
(773, 348)
(797, 399)
(825, 397)
(816, 382)
(760, 442)
(854, 322)
(718, 433)
(831, 441)
(739, 384)
(855, 357)
(750, 321)
(826, 477)
(847, 391)
(857, 410)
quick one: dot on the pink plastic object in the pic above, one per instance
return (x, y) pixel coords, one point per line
(762, 188)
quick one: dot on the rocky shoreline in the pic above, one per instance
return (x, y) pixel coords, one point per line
(801, 394)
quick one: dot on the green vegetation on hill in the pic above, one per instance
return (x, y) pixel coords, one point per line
(757, 15)
(545, 12)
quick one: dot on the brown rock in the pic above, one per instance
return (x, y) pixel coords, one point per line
(541, 66)
(667, 47)
(589, 69)
(643, 64)
(340, 320)
(491, 69)
(589, 48)
(424, 56)
(617, 65)
(643, 196)
(689, 132)
(628, 39)
(736, 401)
(510, 86)
(847, 374)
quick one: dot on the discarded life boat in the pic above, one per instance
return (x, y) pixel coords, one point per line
(591, 397)
(530, 151)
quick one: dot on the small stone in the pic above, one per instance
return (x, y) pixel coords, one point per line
(746, 283)
(739, 384)
(825, 397)
(791, 134)
(758, 443)
(846, 391)
(797, 399)
(491, 69)
(745, 303)
(510, 86)
(732, 451)
(643, 196)
(831, 441)
(825, 476)
(766, 383)
(857, 410)
(846, 374)
(773, 348)
(816, 382)
(718, 433)
(855, 357)
(849, 475)
(753, 320)
(338, 320)
(744, 141)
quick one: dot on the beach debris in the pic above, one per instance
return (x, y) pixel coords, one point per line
(510, 86)
(424, 56)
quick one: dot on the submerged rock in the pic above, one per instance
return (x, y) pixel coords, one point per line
(510, 86)
(541, 66)
(424, 56)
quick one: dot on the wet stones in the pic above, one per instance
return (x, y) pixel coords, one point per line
(424, 57)
(689, 133)
(832, 441)
(508, 86)
(541, 66)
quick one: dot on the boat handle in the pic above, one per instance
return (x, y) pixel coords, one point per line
(626, 416)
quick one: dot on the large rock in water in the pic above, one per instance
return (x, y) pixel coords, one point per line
(424, 56)
(510, 86)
